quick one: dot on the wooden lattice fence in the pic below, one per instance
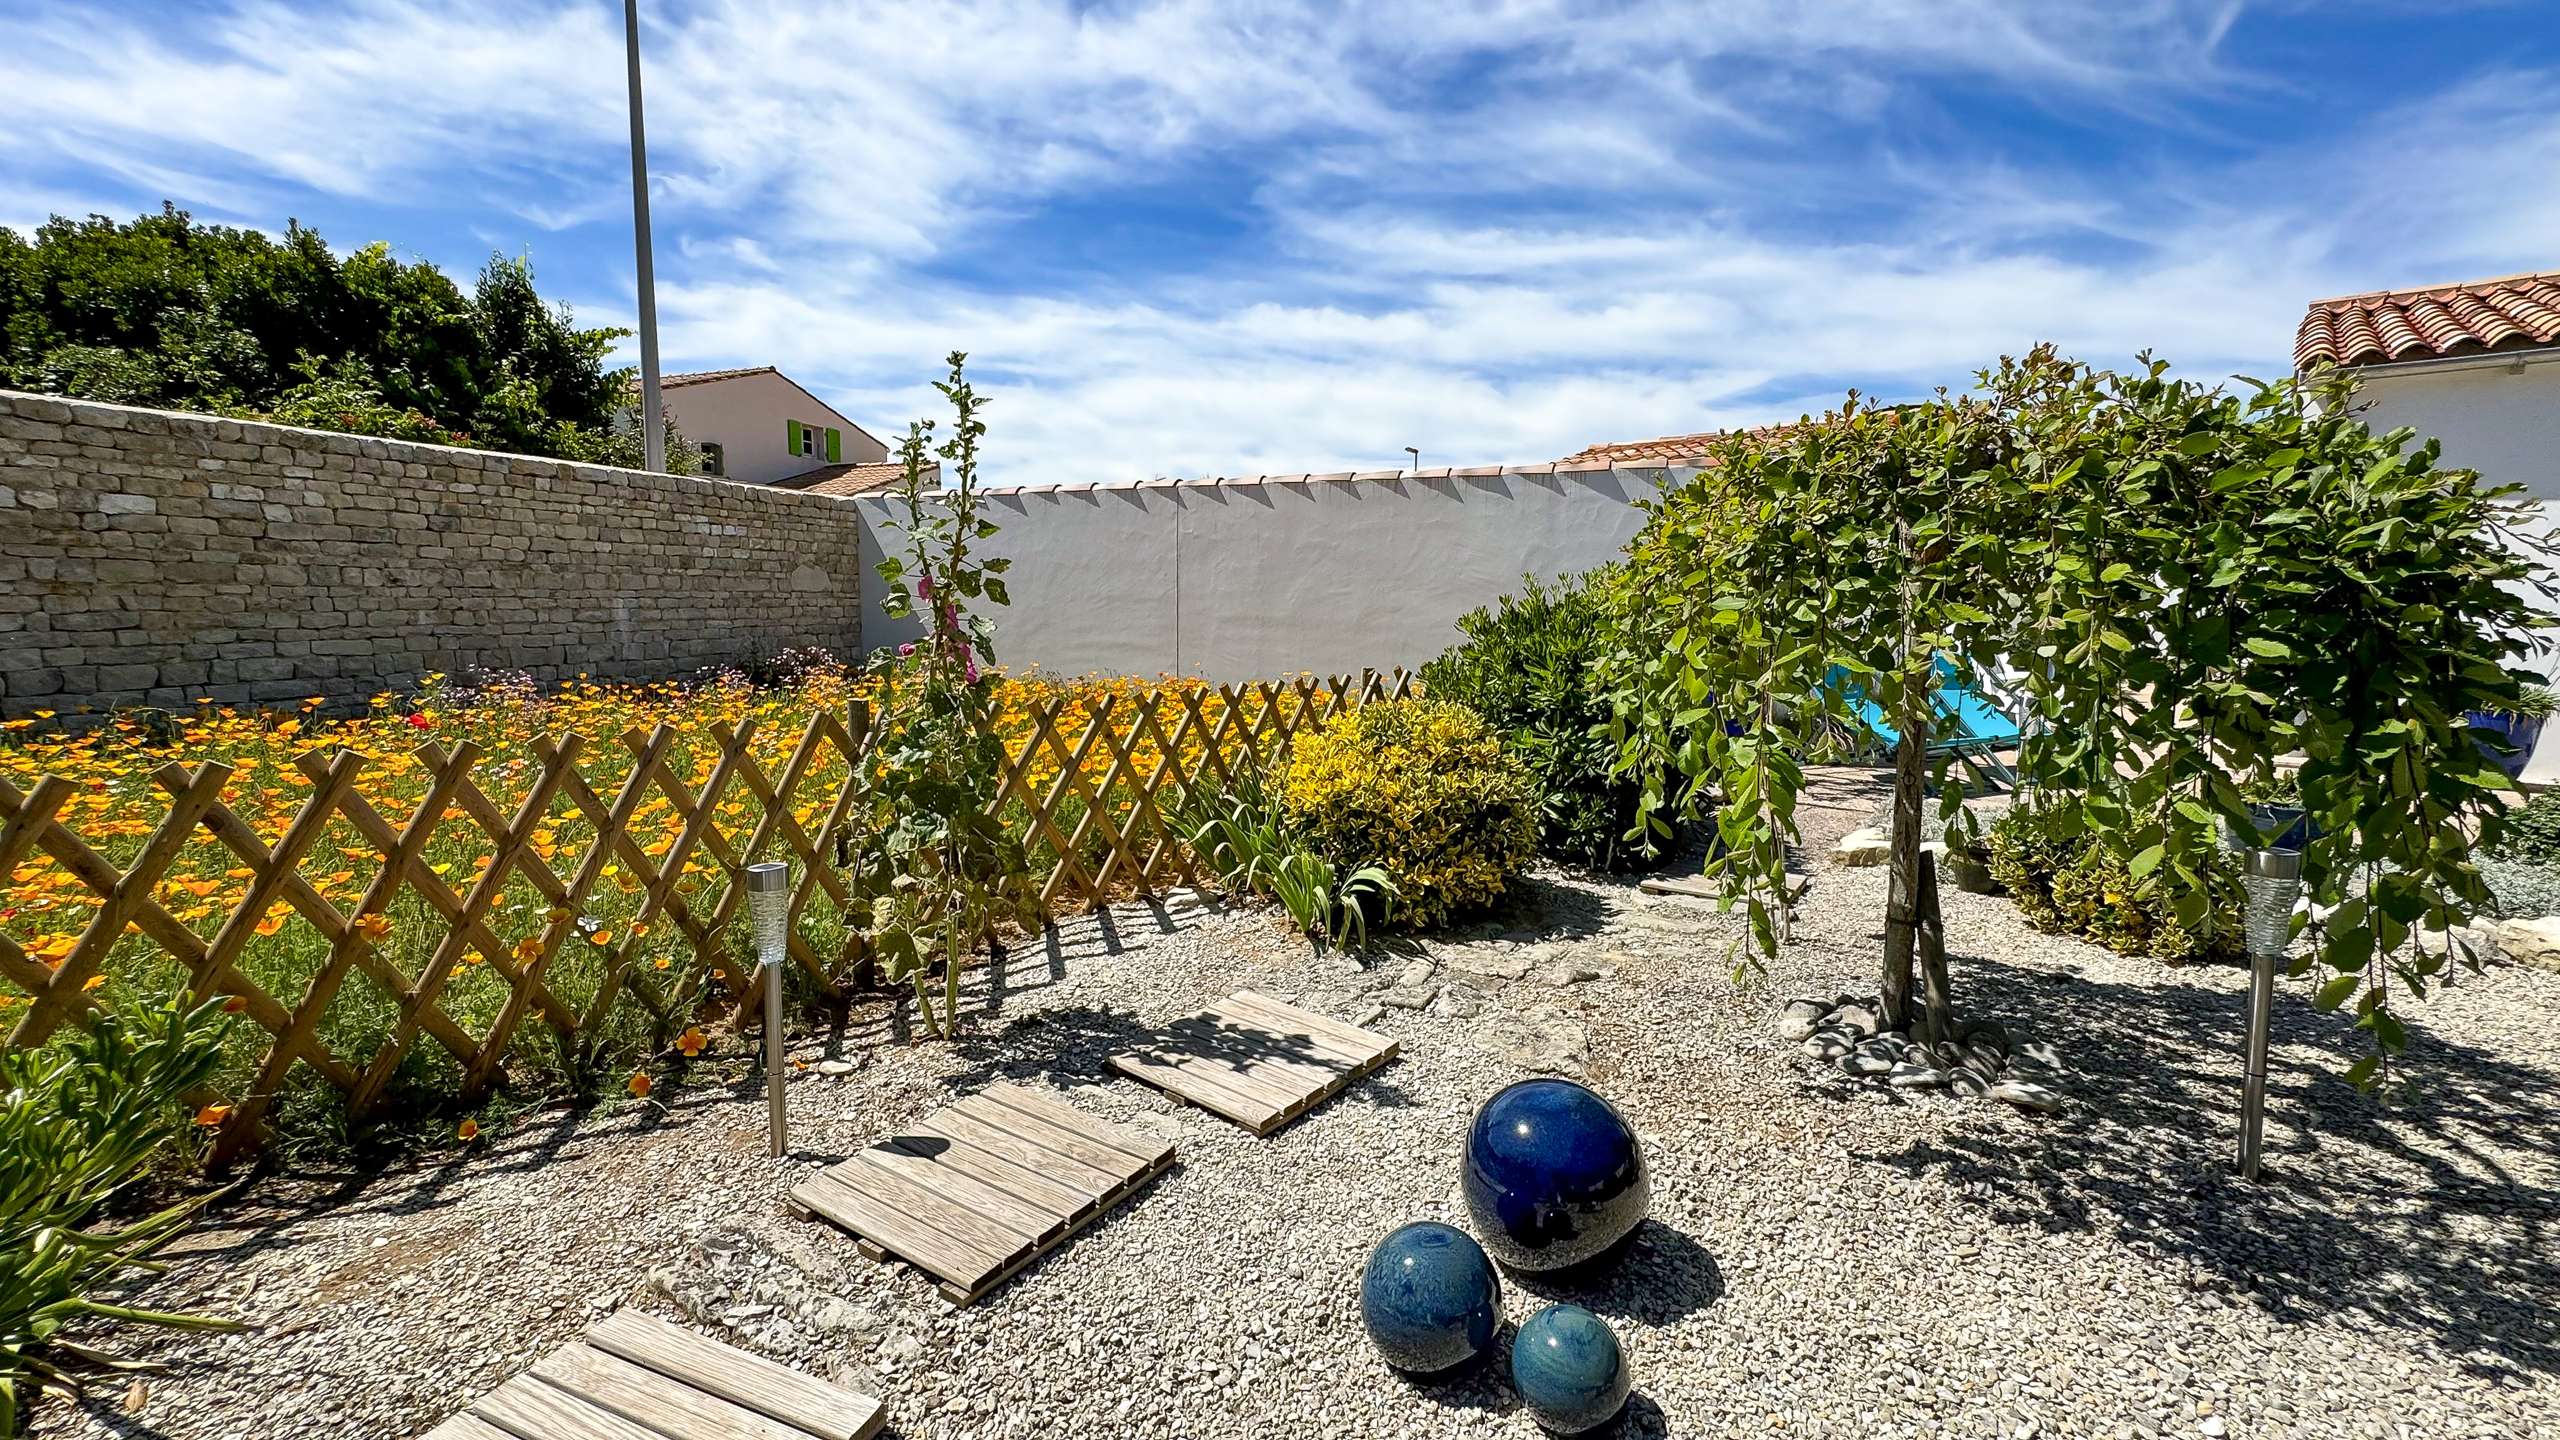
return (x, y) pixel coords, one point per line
(1088, 781)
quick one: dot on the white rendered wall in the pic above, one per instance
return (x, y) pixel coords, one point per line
(1250, 579)
(2492, 416)
(2501, 420)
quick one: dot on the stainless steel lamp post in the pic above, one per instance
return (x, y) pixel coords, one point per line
(2273, 879)
(769, 910)
(653, 430)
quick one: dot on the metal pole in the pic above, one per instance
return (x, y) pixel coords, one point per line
(769, 907)
(2253, 1093)
(653, 431)
(2273, 879)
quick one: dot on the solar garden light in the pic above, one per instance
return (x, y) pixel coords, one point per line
(2273, 878)
(769, 908)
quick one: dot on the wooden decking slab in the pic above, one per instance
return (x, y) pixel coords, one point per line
(984, 1186)
(1257, 1061)
(638, 1378)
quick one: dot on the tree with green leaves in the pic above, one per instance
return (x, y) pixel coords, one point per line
(2197, 590)
(165, 312)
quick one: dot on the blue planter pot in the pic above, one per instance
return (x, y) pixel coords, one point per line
(2517, 731)
(1569, 1370)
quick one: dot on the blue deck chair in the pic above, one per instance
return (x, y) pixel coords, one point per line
(1970, 727)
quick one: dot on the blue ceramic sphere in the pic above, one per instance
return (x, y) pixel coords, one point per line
(1567, 1366)
(1553, 1176)
(1430, 1297)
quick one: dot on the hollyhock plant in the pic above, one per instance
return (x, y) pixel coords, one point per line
(936, 869)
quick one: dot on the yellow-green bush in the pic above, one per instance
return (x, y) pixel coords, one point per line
(1427, 792)
(2072, 884)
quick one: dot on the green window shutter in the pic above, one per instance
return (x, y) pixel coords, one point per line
(835, 445)
(791, 437)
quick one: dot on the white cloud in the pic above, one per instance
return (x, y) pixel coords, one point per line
(1498, 231)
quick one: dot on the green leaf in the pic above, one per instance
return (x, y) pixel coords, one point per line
(2270, 649)
(2338, 991)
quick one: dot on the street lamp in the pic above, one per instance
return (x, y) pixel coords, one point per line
(1416, 454)
(2273, 879)
(653, 430)
(769, 911)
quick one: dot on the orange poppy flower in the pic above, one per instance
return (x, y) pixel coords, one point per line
(639, 1085)
(213, 1115)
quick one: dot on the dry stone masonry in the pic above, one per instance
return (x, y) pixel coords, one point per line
(149, 558)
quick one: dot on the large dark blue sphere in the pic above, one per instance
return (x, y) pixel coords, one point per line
(1430, 1297)
(1553, 1176)
(1567, 1366)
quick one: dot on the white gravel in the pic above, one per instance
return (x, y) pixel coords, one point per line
(1824, 1259)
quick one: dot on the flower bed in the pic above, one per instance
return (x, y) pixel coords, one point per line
(540, 990)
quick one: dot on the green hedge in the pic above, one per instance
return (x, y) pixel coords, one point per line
(1526, 667)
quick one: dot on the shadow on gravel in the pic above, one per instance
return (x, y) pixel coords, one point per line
(1068, 1047)
(1657, 1276)
(2404, 1209)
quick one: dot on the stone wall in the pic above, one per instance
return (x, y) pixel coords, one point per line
(149, 558)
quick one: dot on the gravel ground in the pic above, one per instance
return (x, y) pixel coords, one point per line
(1823, 1259)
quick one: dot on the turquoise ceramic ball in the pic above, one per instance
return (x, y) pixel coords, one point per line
(1430, 1298)
(1567, 1366)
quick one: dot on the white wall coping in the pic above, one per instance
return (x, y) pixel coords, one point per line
(1588, 472)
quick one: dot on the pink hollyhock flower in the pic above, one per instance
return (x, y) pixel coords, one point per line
(924, 586)
(906, 650)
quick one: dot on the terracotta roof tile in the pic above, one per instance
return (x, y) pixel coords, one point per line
(702, 377)
(2431, 322)
(851, 479)
(1670, 448)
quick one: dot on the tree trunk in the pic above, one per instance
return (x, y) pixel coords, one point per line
(1910, 774)
(1938, 1024)
(1901, 909)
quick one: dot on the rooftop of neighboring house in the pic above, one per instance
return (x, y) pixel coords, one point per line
(1669, 449)
(705, 377)
(689, 378)
(2432, 322)
(854, 479)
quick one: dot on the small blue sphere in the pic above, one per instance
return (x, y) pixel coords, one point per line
(1553, 1175)
(1567, 1366)
(1430, 1297)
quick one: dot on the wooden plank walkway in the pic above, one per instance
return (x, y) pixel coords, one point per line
(1256, 1060)
(635, 1377)
(981, 1188)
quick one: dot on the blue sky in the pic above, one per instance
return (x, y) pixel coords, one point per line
(1195, 238)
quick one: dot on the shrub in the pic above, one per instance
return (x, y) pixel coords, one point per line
(2521, 889)
(2073, 884)
(1526, 667)
(2532, 834)
(1423, 789)
(77, 1121)
(1242, 834)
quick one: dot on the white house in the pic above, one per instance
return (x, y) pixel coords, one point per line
(760, 426)
(2476, 365)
